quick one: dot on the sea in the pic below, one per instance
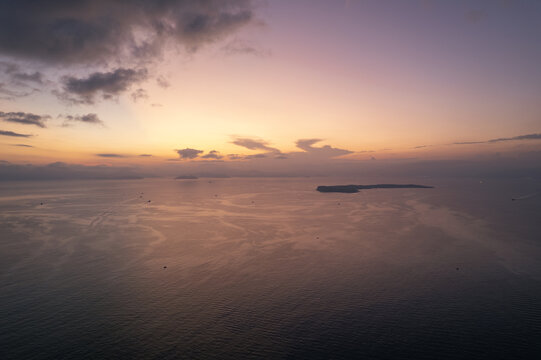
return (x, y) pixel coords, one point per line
(269, 268)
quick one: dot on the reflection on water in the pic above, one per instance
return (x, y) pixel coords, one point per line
(251, 268)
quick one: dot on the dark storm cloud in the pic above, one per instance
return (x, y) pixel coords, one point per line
(212, 155)
(326, 150)
(514, 138)
(188, 153)
(254, 144)
(14, 134)
(109, 155)
(106, 84)
(87, 119)
(92, 31)
(24, 118)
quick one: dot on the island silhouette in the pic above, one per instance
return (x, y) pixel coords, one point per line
(356, 188)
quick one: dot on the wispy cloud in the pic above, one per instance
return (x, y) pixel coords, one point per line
(87, 119)
(24, 118)
(514, 138)
(35, 77)
(139, 94)
(326, 150)
(23, 145)
(254, 144)
(238, 46)
(13, 134)
(163, 82)
(111, 155)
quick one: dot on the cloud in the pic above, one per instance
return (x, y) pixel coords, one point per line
(188, 153)
(254, 144)
(212, 155)
(238, 46)
(14, 73)
(514, 138)
(24, 118)
(469, 142)
(36, 77)
(107, 84)
(8, 67)
(22, 145)
(326, 150)
(14, 134)
(110, 155)
(16, 84)
(162, 82)
(87, 119)
(10, 94)
(255, 156)
(145, 155)
(520, 137)
(99, 31)
(139, 94)
(234, 157)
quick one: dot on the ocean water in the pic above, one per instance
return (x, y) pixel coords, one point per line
(269, 268)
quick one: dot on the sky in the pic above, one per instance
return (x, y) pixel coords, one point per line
(276, 87)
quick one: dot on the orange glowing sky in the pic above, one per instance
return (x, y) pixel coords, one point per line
(382, 80)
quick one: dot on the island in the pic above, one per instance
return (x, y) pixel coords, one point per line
(356, 188)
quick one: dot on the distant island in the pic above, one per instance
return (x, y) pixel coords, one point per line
(356, 188)
(186, 177)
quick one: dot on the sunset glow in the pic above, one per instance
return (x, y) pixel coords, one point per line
(382, 80)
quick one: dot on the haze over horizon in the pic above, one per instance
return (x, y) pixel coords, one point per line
(249, 88)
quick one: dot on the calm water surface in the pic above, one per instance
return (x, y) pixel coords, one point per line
(269, 268)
